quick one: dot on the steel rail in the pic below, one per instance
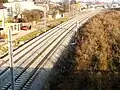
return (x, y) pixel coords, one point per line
(19, 58)
(33, 60)
(28, 65)
(31, 48)
(38, 55)
(8, 84)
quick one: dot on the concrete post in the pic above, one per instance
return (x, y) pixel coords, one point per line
(11, 57)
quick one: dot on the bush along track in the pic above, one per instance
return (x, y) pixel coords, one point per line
(94, 62)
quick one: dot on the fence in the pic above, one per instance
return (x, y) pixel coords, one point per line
(16, 27)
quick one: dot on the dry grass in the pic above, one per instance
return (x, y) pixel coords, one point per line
(98, 41)
(96, 57)
(3, 36)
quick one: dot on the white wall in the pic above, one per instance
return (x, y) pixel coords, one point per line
(2, 17)
(58, 16)
(1, 14)
(21, 6)
(20, 0)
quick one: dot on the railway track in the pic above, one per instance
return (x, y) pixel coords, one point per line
(31, 56)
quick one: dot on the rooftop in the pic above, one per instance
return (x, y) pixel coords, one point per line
(1, 6)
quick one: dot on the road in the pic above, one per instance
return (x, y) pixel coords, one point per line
(34, 55)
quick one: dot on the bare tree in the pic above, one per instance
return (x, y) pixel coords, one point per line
(17, 8)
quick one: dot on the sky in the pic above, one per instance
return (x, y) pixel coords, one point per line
(88, 0)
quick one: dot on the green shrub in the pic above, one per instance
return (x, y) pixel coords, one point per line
(3, 49)
(10, 19)
(28, 37)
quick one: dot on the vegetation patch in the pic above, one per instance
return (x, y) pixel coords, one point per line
(98, 43)
(32, 35)
(32, 15)
(3, 36)
(95, 59)
(39, 32)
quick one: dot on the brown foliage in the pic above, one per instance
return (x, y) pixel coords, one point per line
(32, 15)
(95, 41)
(3, 36)
(97, 57)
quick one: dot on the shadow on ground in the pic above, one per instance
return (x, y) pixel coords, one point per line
(64, 76)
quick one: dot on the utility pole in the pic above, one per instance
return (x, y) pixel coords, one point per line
(45, 16)
(3, 21)
(66, 5)
(69, 5)
(112, 1)
(45, 19)
(11, 57)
